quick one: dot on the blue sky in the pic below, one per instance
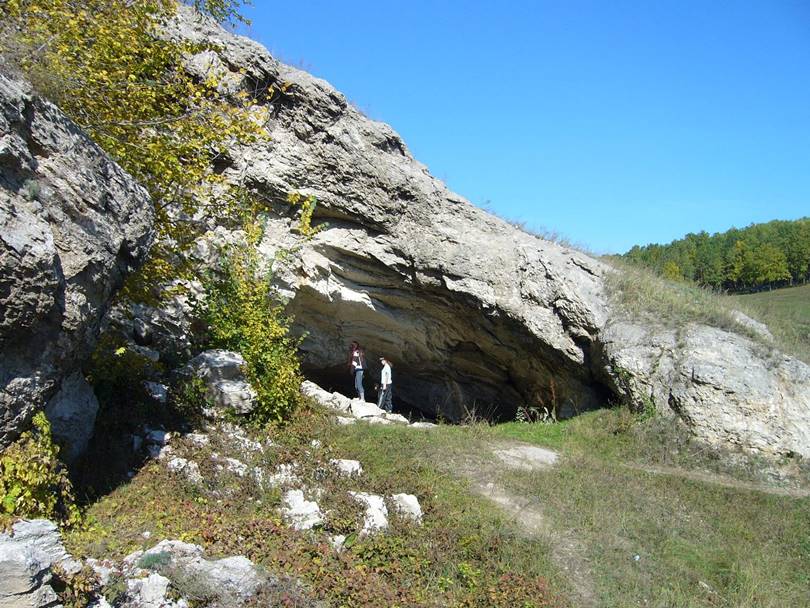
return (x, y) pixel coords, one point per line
(613, 123)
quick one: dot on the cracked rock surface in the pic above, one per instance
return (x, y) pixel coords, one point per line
(73, 224)
(477, 315)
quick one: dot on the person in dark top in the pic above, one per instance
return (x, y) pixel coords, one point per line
(357, 364)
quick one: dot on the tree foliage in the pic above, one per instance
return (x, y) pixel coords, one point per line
(111, 67)
(774, 253)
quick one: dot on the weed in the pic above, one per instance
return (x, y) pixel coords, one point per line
(154, 561)
(75, 589)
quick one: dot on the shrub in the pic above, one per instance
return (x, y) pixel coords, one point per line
(74, 589)
(33, 482)
(154, 561)
(244, 314)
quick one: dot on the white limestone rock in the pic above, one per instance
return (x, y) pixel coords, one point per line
(26, 558)
(376, 515)
(226, 386)
(408, 505)
(349, 468)
(364, 409)
(188, 468)
(300, 513)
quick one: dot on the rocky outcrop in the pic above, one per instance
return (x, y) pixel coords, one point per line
(477, 316)
(27, 555)
(223, 373)
(728, 389)
(72, 225)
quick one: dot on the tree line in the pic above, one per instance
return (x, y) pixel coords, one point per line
(772, 254)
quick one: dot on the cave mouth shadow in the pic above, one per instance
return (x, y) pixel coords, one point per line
(424, 396)
(118, 448)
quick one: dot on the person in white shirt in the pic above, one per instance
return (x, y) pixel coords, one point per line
(357, 363)
(384, 399)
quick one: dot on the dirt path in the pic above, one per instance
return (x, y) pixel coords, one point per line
(720, 480)
(566, 549)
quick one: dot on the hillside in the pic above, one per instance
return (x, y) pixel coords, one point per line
(786, 311)
(776, 253)
(192, 235)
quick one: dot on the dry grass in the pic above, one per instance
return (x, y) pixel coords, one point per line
(640, 294)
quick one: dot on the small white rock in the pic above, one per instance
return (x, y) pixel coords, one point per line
(237, 467)
(188, 468)
(198, 439)
(377, 420)
(284, 475)
(349, 468)
(337, 541)
(343, 420)
(423, 425)
(408, 505)
(302, 514)
(376, 516)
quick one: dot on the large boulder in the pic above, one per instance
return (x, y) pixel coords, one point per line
(730, 390)
(223, 373)
(477, 316)
(72, 225)
(27, 555)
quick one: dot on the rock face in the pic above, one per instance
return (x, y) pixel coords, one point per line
(72, 413)
(72, 225)
(26, 558)
(728, 389)
(477, 316)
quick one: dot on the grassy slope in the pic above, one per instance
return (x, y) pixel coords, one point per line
(466, 554)
(698, 544)
(788, 307)
(641, 294)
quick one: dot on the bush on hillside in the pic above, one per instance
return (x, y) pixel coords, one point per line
(244, 314)
(33, 482)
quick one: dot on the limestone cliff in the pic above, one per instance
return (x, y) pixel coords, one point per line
(72, 225)
(474, 312)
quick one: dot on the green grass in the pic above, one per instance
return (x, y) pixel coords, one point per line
(699, 544)
(786, 312)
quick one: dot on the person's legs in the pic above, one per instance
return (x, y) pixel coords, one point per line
(388, 405)
(358, 384)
